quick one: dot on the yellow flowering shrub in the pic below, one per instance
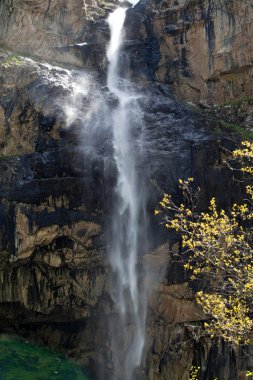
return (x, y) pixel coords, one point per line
(194, 373)
(218, 250)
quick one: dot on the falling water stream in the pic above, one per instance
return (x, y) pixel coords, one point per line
(122, 124)
(127, 329)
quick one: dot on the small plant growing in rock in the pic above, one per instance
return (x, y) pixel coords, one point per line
(12, 61)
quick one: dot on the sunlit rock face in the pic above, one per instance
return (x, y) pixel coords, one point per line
(53, 29)
(202, 48)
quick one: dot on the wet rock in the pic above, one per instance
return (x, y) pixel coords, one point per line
(111, 99)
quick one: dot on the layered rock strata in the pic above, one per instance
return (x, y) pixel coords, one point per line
(56, 190)
(203, 48)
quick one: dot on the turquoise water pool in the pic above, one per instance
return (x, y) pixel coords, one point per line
(20, 360)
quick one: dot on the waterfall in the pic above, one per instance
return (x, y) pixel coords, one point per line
(127, 328)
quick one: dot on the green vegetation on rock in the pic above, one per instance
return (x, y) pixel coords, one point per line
(22, 360)
(12, 60)
(232, 102)
(237, 129)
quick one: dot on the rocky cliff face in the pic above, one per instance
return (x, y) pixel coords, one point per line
(52, 267)
(56, 180)
(203, 48)
(65, 31)
(56, 194)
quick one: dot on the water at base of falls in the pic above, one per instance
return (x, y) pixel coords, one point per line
(127, 327)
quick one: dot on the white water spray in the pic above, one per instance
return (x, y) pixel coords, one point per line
(127, 329)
